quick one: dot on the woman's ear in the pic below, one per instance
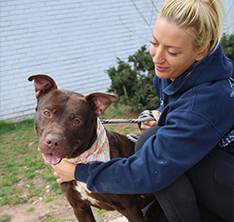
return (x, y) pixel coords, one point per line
(201, 55)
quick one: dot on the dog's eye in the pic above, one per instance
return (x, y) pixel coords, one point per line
(76, 121)
(47, 113)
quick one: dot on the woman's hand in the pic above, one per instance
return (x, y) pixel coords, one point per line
(64, 170)
(148, 124)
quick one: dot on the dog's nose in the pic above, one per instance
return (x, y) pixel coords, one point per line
(53, 141)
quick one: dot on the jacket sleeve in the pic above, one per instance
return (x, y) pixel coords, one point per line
(178, 146)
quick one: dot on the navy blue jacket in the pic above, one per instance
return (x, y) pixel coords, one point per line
(197, 112)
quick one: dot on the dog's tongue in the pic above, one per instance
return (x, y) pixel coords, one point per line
(50, 158)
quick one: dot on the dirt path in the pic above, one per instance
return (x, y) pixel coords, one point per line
(59, 208)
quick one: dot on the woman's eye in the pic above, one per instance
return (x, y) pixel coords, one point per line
(76, 121)
(172, 53)
(47, 113)
(153, 43)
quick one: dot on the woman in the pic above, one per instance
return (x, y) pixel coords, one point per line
(193, 82)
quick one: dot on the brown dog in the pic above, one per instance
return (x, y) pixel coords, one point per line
(66, 125)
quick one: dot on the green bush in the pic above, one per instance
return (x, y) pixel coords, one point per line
(227, 43)
(132, 81)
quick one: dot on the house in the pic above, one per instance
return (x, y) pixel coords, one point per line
(73, 41)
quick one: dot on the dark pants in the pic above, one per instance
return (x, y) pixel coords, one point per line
(210, 182)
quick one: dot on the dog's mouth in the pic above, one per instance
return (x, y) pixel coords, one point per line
(51, 159)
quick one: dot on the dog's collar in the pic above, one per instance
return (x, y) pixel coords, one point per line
(99, 151)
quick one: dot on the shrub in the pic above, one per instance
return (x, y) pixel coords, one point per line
(133, 81)
(227, 43)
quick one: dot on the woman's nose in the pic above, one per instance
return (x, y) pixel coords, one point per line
(157, 54)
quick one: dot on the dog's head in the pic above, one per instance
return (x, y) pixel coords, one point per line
(66, 121)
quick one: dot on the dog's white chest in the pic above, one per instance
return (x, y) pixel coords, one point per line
(85, 195)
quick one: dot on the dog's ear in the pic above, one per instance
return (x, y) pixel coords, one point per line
(43, 84)
(99, 102)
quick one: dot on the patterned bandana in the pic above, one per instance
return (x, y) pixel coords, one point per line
(99, 151)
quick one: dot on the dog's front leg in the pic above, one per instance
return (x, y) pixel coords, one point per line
(82, 211)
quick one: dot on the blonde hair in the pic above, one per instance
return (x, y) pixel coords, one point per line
(201, 19)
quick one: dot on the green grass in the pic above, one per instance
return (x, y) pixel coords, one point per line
(21, 165)
(8, 127)
(30, 209)
(5, 218)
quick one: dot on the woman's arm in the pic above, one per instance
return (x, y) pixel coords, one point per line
(161, 160)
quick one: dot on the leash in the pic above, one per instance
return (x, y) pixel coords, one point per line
(141, 118)
(106, 121)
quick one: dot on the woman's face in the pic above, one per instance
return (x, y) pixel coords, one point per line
(172, 50)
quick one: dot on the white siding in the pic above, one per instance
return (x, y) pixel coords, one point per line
(229, 16)
(73, 41)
